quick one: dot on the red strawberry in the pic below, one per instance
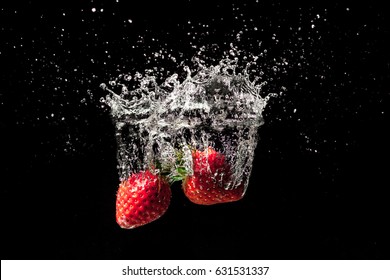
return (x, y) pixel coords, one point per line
(210, 179)
(142, 198)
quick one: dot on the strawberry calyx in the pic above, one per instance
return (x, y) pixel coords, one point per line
(180, 171)
(174, 172)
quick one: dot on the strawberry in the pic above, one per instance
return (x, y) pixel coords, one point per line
(210, 179)
(142, 198)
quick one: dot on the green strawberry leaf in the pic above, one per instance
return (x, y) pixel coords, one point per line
(173, 179)
(181, 170)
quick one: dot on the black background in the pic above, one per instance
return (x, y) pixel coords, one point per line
(320, 176)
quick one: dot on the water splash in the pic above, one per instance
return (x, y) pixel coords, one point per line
(217, 106)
